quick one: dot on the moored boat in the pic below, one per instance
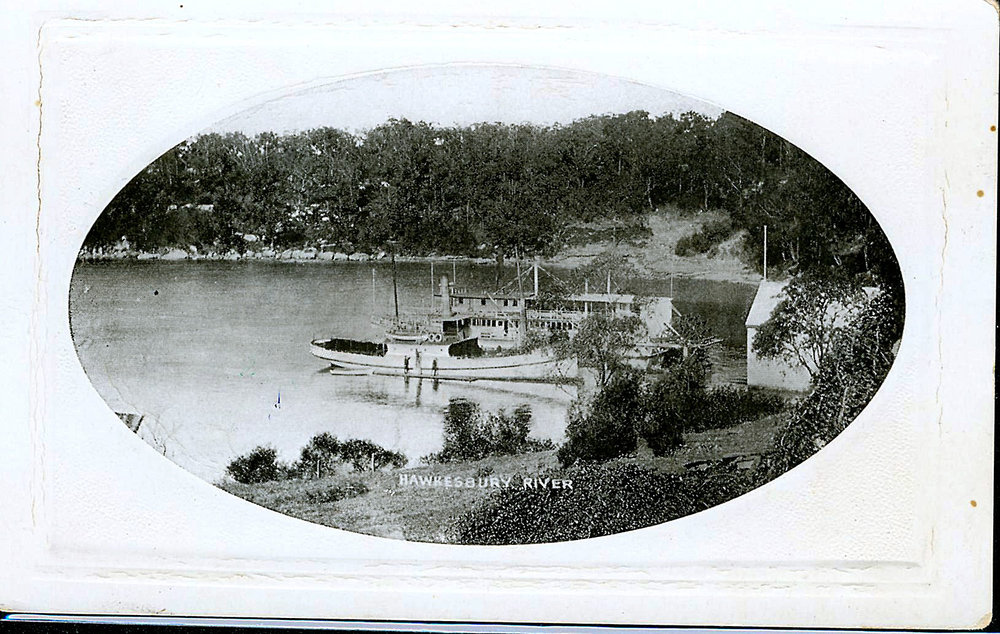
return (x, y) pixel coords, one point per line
(441, 346)
(445, 361)
(474, 336)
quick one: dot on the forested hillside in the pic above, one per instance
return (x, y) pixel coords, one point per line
(488, 189)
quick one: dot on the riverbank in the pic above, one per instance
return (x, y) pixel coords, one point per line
(654, 255)
(423, 503)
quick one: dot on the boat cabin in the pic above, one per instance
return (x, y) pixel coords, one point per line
(481, 302)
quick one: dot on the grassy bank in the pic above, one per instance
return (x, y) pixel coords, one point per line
(380, 504)
(655, 255)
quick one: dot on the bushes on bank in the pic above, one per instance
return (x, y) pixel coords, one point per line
(609, 425)
(659, 411)
(260, 465)
(702, 241)
(471, 434)
(324, 453)
(605, 498)
(364, 455)
(727, 406)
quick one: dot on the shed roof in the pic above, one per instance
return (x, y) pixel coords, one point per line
(769, 295)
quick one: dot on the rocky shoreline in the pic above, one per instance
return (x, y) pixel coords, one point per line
(307, 255)
(654, 256)
(694, 267)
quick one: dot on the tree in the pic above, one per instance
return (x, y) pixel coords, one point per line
(463, 433)
(365, 455)
(322, 453)
(471, 435)
(673, 401)
(607, 426)
(602, 342)
(850, 375)
(814, 314)
(510, 431)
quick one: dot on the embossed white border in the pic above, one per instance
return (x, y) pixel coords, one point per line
(877, 530)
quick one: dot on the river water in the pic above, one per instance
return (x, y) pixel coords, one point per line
(216, 354)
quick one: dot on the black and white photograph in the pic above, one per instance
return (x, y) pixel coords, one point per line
(486, 305)
(515, 315)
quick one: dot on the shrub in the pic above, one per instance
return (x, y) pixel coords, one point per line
(465, 437)
(469, 434)
(659, 412)
(727, 406)
(365, 455)
(701, 241)
(322, 451)
(260, 465)
(605, 498)
(606, 427)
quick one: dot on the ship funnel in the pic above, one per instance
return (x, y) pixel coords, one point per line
(445, 295)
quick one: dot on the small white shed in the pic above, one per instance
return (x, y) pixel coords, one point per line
(775, 373)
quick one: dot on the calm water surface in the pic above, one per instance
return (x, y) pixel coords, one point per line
(216, 354)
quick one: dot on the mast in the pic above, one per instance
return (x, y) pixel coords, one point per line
(432, 284)
(523, 329)
(373, 291)
(536, 279)
(395, 292)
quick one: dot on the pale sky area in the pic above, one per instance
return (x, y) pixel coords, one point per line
(458, 95)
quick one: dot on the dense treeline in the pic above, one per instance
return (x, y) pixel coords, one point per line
(489, 188)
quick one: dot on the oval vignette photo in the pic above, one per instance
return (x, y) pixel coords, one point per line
(486, 305)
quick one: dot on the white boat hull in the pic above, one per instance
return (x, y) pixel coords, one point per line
(538, 367)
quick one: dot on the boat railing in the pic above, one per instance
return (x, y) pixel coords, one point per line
(555, 314)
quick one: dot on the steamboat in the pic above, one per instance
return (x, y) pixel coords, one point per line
(496, 336)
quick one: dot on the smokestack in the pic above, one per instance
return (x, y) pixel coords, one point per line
(445, 295)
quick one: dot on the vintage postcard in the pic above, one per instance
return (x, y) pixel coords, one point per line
(616, 316)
